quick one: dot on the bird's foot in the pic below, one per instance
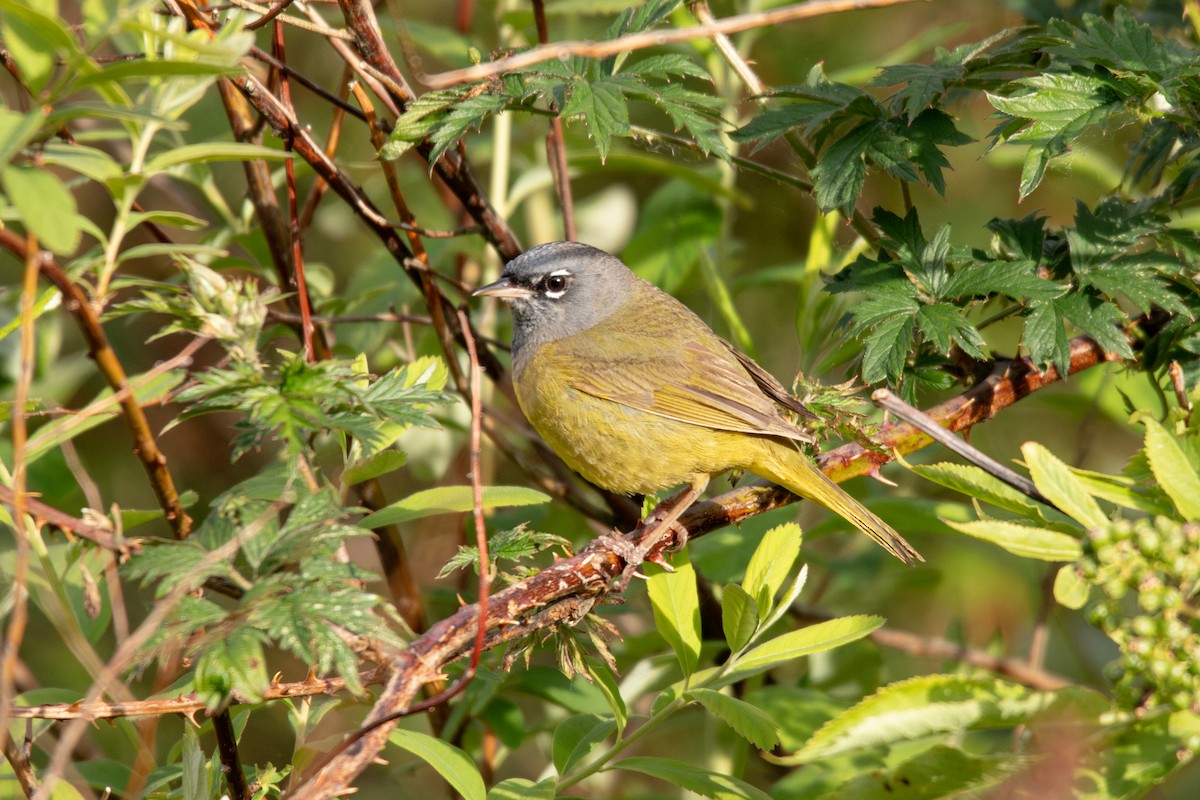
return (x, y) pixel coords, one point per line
(633, 556)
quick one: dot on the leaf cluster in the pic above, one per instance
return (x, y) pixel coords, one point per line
(595, 92)
(292, 593)
(920, 291)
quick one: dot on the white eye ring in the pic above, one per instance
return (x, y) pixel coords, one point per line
(555, 286)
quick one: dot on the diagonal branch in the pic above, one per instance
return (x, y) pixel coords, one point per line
(567, 589)
(651, 38)
(144, 443)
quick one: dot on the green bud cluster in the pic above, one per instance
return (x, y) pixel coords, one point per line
(1148, 573)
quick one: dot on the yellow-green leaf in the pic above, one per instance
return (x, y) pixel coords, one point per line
(1026, 541)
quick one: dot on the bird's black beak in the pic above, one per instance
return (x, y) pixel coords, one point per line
(505, 289)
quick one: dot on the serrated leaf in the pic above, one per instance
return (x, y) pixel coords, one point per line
(796, 644)
(921, 707)
(451, 500)
(739, 616)
(771, 564)
(943, 324)
(450, 762)
(1071, 590)
(1174, 471)
(676, 605)
(1026, 541)
(1054, 480)
(751, 723)
(694, 779)
(886, 350)
(841, 171)
(1016, 279)
(1046, 339)
(577, 736)
(939, 772)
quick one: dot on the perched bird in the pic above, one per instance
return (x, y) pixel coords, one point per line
(637, 394)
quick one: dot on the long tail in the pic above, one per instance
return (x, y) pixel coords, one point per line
(790, 468)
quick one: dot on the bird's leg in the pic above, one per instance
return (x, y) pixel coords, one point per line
(658, 530)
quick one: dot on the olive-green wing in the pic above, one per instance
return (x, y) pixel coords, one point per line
(693, 383)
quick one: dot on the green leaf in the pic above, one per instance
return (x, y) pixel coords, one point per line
(771, 564)
(676, 606)
(706, 783)
(1174, 471)
(1054, 479)
(751, 723)
(379, 464)
(943, 324)
(739, 616)
(1026, 541)
(1059, 106)
(49, 298)
(577, 736)
(929, 705)
(1071, 589)
(209, 152)
(451, 500)
(939, 772)
(886, 350)
(1046, 338)
(841, 171)
(16, 130)
(451, 763)
(602, 679)
(46, 207)
(795, 644)
(522, 789)
(193, 766)
(1016, 279)
(123, 72)
(35, 39)
(978, 483)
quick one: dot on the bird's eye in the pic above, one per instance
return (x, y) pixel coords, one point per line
(556, 283)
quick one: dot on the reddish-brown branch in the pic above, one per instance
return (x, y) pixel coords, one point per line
(651, 38)
(452, 168)
(72, 525)
(144, 444)
(567, 589)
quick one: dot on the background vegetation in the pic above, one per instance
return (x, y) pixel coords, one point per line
(244, 395)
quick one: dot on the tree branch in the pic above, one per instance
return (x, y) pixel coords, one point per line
(567, 589)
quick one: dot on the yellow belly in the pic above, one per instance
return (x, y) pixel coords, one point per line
(619, 448)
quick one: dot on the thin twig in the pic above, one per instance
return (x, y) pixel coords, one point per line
(323, 30)
(297, 250)
(936, 647)
(915, 417)
(645, 39)
(556, 149)
(18, 617)
(145, 445)
(83, 529)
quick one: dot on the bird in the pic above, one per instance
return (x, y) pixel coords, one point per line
(637, 394)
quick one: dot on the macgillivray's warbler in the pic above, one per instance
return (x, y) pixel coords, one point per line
(636, 394)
